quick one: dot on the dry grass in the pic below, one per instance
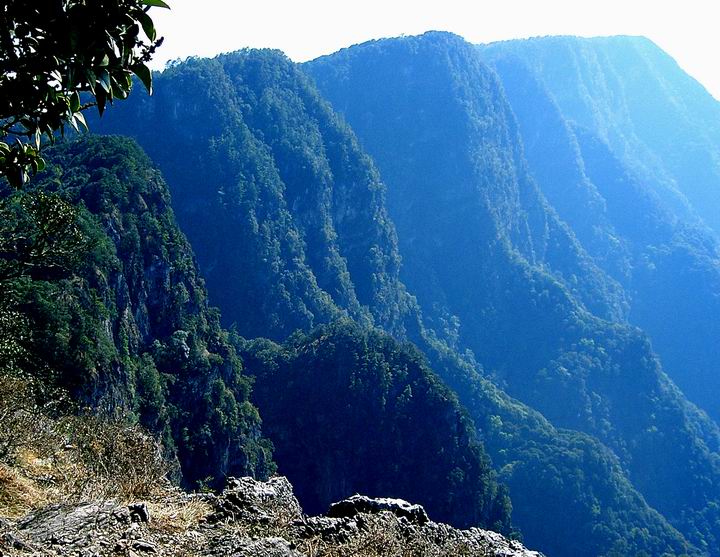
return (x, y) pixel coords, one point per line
(46, 460)
(376, 539)
(18, 494)
(171, 515)
(383, 537)
(104, 460)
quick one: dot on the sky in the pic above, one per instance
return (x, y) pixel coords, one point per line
(689, 30)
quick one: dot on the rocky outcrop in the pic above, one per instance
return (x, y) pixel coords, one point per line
(358, 504)
(253, 501)
(249, 519)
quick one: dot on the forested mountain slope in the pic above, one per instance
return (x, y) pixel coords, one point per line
(656, 118)
(267, 175)
(128, 333)
(284, 210)
(367, 408)
(125, 328)
(437, 123)
(583, 142)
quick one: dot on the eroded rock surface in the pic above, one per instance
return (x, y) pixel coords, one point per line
(250, 500)
(358, 504)
(249, 519)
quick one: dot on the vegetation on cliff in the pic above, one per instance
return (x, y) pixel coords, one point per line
(122, 324)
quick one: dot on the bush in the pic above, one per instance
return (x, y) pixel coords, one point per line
(22, 425)
(111, 459)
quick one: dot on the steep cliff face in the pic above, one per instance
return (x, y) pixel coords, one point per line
(518, 311)
(654, 116)
(328, 207)
(460, 194)
(284, 210)
(607, 171)
(444, 96)
(253, 198)
(358, 403)
(128, 331)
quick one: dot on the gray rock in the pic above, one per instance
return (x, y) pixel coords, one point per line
(267, 510)
(361, 504)
(67, 524)
(266, 547)
(256, 501)
(143, 545)
(12, 541)
(338, 530)
(496, 544)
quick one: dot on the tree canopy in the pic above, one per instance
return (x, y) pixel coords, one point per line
(54, 51)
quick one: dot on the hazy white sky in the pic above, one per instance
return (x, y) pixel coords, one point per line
(689, 30)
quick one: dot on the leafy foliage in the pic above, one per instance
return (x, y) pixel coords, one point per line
(51, 53)
(39, 236)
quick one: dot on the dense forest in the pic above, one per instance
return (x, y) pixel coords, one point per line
(383, 424)
(461, 275)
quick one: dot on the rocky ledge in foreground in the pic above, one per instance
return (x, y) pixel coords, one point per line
(249, 519)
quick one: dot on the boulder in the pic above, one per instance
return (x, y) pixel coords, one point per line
(256, 501)
(357, 504)
(68, 524)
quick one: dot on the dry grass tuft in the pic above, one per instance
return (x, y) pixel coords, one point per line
(18, 494)
(104, 460)
(169, 515)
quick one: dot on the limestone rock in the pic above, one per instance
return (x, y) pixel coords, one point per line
(249, 499)
(68, 524)
(362, 504)
(249, 519)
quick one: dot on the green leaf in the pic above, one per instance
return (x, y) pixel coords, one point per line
(101, 99)
(80, 119)
(145, 75)
(147, 25)
(156, 3)
(104, 80)
(91, 78)
(69, 78)
(74, 102)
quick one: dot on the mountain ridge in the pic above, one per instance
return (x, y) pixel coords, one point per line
(591, 356)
